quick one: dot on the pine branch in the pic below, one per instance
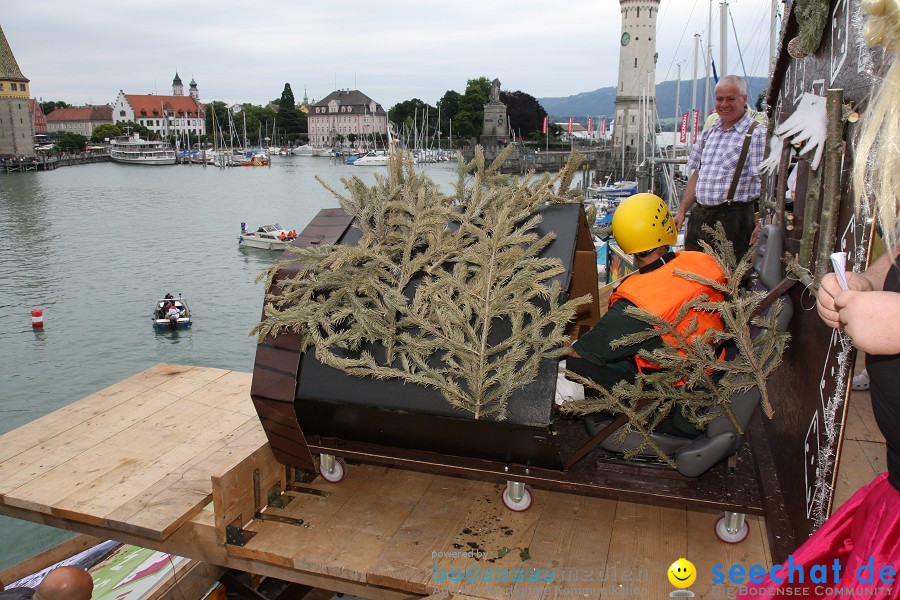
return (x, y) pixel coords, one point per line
(420, 297)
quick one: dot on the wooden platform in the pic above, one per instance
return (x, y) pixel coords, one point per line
(138, 462)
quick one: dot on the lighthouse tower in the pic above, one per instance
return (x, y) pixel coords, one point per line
(637, 69)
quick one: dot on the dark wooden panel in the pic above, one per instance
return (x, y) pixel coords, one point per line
(283, 432)
(809, 390)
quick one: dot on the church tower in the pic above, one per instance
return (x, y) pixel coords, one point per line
(16, 122)
(637, 69)
(177, 86)
(193, 91)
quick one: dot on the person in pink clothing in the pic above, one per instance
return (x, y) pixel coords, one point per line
(861, 540)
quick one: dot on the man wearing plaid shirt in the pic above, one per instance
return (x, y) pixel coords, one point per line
(713, 163)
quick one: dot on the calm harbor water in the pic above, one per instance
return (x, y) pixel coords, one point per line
(95, 246)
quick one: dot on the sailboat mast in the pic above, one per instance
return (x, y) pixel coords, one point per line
(678, 93)
(723, 39)
(694, 91)
(708, 59)
(773, 34)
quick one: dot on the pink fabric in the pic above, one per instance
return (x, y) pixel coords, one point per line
(866, 526)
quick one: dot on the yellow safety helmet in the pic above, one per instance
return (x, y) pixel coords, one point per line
(643, 222)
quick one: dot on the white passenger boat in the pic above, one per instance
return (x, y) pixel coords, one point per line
(267, 237)
(134, 150)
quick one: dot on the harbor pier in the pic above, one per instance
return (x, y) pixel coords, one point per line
(43, 163)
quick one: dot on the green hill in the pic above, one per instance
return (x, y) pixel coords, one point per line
(601, 102)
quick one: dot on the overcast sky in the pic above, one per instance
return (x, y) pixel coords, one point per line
(85, 51)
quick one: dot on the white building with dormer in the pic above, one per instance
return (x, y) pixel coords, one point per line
(637, 70)
(342, 113)
(177, 114)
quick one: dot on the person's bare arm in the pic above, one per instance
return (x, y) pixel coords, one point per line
(866, 312)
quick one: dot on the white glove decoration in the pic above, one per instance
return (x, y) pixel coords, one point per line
(807, 124)
(770, 163)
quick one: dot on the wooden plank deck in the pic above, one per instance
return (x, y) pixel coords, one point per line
(137, 462)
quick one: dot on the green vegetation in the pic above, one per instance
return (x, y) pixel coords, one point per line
(70, 142)
(105, 131)
(51, 105)
(289, 123)
(466, 111)
(405, 113)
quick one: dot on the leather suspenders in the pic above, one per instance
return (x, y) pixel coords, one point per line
(745, 149)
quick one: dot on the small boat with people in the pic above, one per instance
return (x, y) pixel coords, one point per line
(134, 150)
(171, 313)
(267, 237)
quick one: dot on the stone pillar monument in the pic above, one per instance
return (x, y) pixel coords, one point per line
(495, 131)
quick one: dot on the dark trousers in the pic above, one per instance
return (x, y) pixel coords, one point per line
(605, 377)
(737, 218)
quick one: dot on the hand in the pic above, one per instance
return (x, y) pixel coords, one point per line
(679, 219)
(830, 289)
(754, 237)
(870, 320)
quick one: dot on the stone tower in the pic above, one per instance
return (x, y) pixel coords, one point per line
(177, 86)
(637, 67)
(193, 91)
(16, 122)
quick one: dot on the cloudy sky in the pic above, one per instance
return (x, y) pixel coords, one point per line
(85, 51)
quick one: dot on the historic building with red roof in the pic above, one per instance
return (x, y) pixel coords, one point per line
(165, 115)
(80, 119)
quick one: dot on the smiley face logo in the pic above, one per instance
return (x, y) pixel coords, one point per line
(682, 573)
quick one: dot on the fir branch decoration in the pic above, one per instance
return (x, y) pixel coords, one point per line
(812, 16)
(433, 285)
(694, 381)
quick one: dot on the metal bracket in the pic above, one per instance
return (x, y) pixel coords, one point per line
(235, 535)
(279, 519)
(298, 475)
(311, 491)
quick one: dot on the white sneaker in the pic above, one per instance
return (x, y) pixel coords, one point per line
(860, 382)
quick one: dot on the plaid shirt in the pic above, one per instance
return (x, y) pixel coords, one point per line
(721, 149)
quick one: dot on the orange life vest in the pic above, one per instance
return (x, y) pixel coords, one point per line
(663, 293)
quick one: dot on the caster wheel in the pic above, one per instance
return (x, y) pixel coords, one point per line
(337, 473)
(520, 506)
(731, 538)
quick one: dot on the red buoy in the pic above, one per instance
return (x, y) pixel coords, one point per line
(37, 318)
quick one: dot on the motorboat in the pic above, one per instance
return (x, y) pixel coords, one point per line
(372, 159)
(171, 313)
(254, 158)
(304, 150)
(617, 189)
(134, 150)
(267, 237)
